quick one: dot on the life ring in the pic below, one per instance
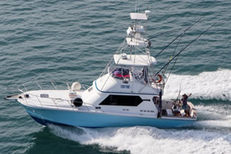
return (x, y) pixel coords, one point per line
(160, 78)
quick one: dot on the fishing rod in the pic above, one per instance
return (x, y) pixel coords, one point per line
(181, 34)
(161, 33)
(178, 93)
(184, 48)
(173, 63)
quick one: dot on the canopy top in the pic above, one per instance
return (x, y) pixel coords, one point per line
(139, 16)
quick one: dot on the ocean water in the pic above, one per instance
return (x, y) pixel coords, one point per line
(65, 41)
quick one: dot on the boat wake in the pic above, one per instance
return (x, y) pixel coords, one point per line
(204, 138)
(150, 140)
(214, 117)
(210, 134)
(206, 85)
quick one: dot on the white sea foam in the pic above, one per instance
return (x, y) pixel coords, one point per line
(206, 85)
(214, 111)
(148, 140)
(214, 116)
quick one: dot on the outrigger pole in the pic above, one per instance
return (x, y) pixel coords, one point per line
(180, 35)
(184, 49)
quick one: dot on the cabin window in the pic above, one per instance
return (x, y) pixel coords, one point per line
(44, 95)
(122, 100)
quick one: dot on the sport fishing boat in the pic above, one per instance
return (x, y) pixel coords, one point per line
(127, 93)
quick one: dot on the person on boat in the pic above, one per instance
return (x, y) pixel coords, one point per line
(185, 104)
(145, 74)
(156, 100)
(176, 108)
(121, 73)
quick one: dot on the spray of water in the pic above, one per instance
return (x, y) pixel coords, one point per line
(206, 85)
(151, 140)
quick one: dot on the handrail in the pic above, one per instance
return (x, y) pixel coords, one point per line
(55, 103)
(24, 86)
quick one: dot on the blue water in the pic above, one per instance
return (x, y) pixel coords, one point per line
(66, 41)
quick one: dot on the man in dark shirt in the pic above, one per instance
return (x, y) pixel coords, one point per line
(185, 105)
